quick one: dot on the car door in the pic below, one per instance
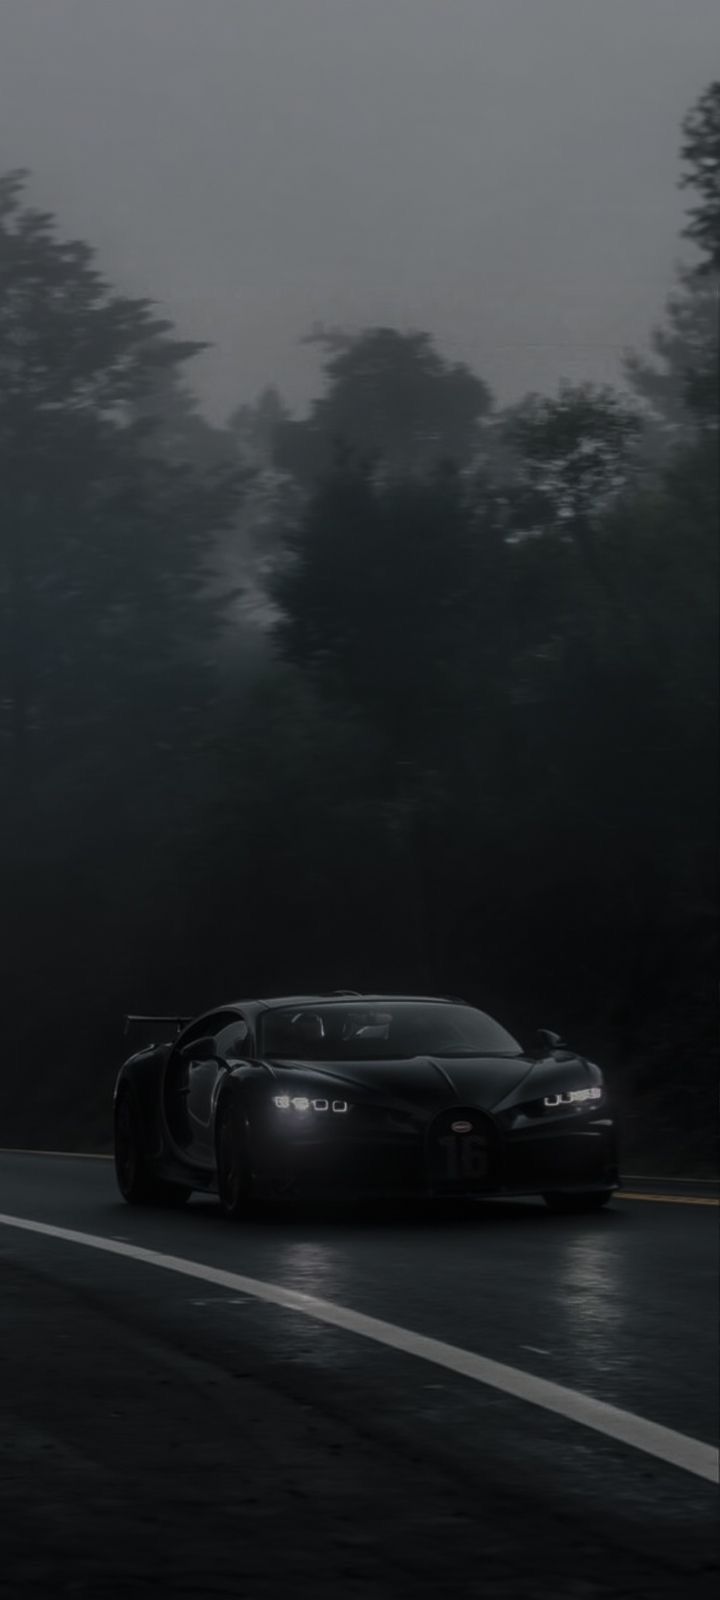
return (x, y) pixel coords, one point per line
(207, 1060)
(176, 1084)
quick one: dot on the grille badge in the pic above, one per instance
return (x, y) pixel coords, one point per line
(461, 1127)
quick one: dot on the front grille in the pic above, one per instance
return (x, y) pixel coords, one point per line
(462, 1152)
(361, 1166)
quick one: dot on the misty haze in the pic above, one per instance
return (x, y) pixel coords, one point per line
(358, 724)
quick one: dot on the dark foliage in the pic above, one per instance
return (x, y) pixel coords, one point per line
(106, 626)
(391, 400)
(701, 155)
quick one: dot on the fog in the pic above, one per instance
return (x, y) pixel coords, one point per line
(415, 691)
(500, 172)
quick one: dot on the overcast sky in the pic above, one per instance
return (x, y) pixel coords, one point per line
(500, 172)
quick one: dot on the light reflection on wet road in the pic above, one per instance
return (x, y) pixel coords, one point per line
(622, 1306)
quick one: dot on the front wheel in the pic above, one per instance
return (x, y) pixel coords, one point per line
(234, 1173)
(574, 1204)
(136, 1184)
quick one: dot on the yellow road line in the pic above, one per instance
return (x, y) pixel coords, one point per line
(668, 1199)
(657, 1177)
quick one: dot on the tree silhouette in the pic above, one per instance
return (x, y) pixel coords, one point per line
(103, 539)
(391, 400)
(701, 155)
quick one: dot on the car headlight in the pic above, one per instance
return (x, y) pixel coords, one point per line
(302, 1103)
(572, 1097)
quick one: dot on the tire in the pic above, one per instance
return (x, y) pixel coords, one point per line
(137, 1185)
(234, 1174)
(575, 1204)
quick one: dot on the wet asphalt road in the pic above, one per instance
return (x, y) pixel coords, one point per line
(161, 1429)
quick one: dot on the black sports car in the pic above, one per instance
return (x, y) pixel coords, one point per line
(355, 1093)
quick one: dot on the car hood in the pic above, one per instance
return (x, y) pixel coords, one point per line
(431, 1081)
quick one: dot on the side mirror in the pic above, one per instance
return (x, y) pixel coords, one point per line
(549, 1040)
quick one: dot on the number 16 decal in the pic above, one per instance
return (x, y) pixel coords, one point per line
(464, 1158)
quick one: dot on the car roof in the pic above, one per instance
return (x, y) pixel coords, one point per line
(343, 997)
(253, 1007)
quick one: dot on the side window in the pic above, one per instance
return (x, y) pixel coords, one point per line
(207, 1027)
(233, 1040)
(197, 1030)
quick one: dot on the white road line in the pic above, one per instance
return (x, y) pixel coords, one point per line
(73, 1155)
(678, 1449)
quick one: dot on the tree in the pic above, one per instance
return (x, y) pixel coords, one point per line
(387, 589)
(391, 400)
(701, 155)
(108, 632)
(255, 427)
(682, 385)
(270, 505)
(168, 417)
(562, 461)
(103, 541)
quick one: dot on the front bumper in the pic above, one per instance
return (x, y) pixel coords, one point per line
(431, 1163)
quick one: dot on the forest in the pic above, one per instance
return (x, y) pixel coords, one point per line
(416, 692)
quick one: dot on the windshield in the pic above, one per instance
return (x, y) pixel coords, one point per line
(390, 1030)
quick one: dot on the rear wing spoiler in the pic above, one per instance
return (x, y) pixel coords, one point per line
(133, 1020)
